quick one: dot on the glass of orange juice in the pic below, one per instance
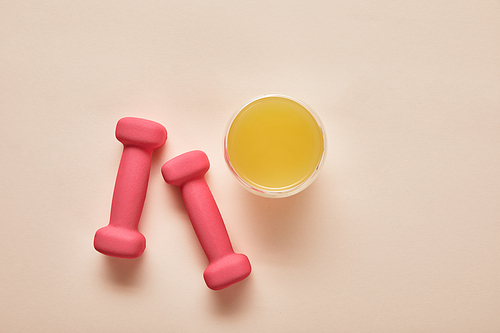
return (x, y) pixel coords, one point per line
(275, 146)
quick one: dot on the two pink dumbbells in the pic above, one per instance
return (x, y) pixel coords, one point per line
(121, 238)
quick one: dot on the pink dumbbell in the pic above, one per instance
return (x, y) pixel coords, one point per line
(225, 267)
(140, 137)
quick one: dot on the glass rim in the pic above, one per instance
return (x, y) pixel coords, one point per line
(277, 192)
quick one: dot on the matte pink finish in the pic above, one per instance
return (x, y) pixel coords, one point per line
(225, 267)
(140, 137)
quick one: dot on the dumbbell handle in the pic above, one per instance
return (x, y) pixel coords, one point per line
(206, 219)
(130, 187)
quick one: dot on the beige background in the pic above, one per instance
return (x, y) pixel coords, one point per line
(399, 233)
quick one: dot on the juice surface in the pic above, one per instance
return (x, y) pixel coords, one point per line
(274, 143)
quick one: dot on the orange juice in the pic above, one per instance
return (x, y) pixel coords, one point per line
(275, 145)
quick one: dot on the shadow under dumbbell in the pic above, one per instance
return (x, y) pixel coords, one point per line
(124, 272)
(232, 299)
